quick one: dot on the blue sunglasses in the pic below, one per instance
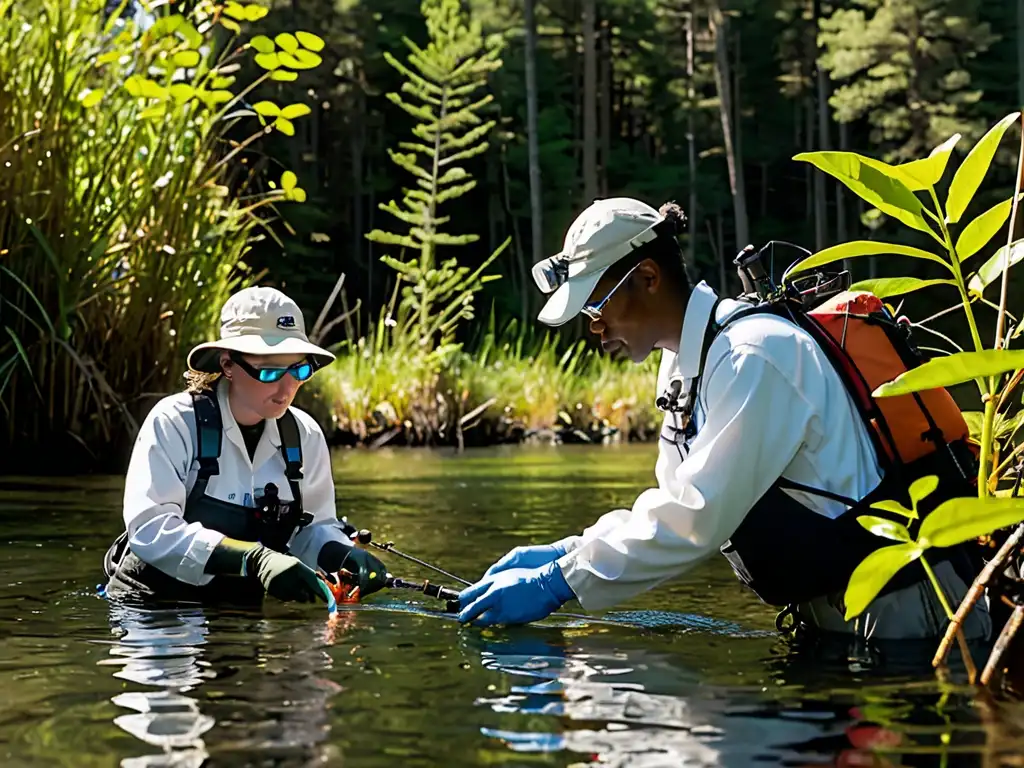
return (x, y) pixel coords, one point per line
(300, 371)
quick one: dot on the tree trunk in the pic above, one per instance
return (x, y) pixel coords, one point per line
(691, 141)
(357, 145)
(719, 28)
(536, 222)
(589, 104)
(607, 86)
(723, 277)
(820, 204)
(841, 234)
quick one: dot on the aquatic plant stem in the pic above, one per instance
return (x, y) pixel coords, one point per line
(975, 592)
(1005, 637)
(972, 670)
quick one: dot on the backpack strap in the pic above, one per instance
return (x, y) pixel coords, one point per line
(291, 450)
(209, 429)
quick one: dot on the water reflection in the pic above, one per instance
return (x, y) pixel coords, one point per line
(259, 681)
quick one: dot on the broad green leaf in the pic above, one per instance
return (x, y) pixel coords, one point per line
(213, 98)
(223, 82)
(168, 25)
(923, 487)
(926, 172)
(874, 572)
(108, 57)
(884, 287)
(235, 11)
(90, 98)
(182, 92)
(262, 44)
(293, 111)
(283, 75)
(287, 42)
(268, 60)
(969, 517)
(310, 41)
(288, 180)
(885, 528)
(976, 234)
(888, 194)
(139, 86)
(298, 195)
(285, 126)
(255, 12)
(266, 108)
(968, 176)
(306, 60)
(287, 60)
(230, 25)
(857, 248)
(975, 421)
(1001, 426)
(992, 269)
(186, 58)
(953, 369)
(191, 34)
(155, 111)
(895, 507)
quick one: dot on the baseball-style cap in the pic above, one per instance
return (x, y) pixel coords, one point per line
(258, 321)
(605, 232)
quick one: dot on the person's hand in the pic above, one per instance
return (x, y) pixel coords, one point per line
(285, 577)
(371, 574)
(516, 596)
(527, 557)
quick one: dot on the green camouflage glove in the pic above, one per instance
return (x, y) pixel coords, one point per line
(282, 576)
(371, 573)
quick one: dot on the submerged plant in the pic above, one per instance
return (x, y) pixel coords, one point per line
(996, 370)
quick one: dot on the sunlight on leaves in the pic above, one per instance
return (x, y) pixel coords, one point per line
(293, 111)
(976, 234)
(262, 44)
(857, 248)
(284, 75)
(883, 287)
(953, 369)
(287, 42)
(895, 507)
(874, 572)
(922, 488)
(966, 518)
(992, 269)
(885, 528)
(310, 41)
(969, 175)
(268, 60)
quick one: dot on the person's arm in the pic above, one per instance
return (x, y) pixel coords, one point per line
(154, 499)
(756, 422)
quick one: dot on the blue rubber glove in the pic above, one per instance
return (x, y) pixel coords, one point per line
(516, 596)
(527, 557)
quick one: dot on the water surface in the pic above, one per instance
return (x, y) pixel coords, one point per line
(690, 674)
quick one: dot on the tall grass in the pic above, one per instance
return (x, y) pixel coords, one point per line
(122, 228)
(514, 385)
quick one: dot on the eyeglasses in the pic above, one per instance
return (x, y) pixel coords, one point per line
(301, 370)
(593, 311)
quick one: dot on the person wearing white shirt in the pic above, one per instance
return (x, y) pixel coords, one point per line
(766, 469)
(229, 493)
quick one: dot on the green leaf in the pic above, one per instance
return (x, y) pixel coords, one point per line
(992, 269)
(888, 505)
(287, 42)
(90, 98)
(968, 517)
(182, 92)
(288, 180)
(268, 60)
(155, 111)
(306, 60)
(139, 86)
(213, 98)
(953, 369)
(874, 572)
(293, 111)
(975, 421)
(262, 44)
(255, 12)
(186, 58)
(310, 41)
(976, 234)
(884, 287)
(888, 194)
(285, 126)
(923, 487)
(287, 60)
(223, 82)
(885, 528)
(858, 248)
(298, 195)
(191, 34)
(230, 25)
(266, 108)
(235, 11)
(968, 176)
(926, 172)
(168, 25)
(283, 75)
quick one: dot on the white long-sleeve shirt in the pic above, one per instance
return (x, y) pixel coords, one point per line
(769, 404)
(163, 470)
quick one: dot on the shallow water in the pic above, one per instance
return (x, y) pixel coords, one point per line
(689, 674)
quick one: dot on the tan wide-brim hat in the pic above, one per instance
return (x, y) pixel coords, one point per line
(258, 321)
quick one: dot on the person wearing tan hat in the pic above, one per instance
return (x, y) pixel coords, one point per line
(229, 492)
(763, 457)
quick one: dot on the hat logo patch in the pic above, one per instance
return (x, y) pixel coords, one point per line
(286, 321)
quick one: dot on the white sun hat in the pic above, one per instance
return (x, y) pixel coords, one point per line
(605, 232)
(258, 321)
